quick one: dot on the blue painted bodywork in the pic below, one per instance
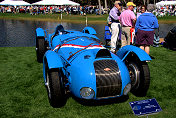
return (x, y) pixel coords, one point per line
(129, 48)
(40, 32)
(108, 34)
(89, 30)
(75, 52)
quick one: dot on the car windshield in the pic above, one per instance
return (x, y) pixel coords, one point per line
(81, 40)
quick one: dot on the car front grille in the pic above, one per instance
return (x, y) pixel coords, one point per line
(108, 80)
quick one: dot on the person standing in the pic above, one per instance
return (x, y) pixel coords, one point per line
(114, 18)
(143, 9)
(127, 20)
(145, 25)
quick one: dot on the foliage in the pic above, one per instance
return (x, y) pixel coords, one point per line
(23, 93)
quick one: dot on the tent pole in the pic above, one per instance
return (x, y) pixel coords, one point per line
(86, 20)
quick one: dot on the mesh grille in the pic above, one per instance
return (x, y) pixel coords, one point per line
(108, 80)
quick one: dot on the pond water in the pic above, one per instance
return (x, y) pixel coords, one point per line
(20, 33)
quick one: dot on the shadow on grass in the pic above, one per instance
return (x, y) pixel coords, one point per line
(101, 102)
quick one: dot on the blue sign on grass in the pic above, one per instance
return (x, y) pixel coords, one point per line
(145, 107)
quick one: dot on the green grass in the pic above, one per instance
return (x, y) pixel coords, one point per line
(55, 17)
(23, 94)
(167, 17)
(72, 18)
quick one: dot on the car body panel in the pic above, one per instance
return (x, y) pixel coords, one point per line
(53, 59)
(129, 48)
(40, 32)
(169, 40)
(89, 30)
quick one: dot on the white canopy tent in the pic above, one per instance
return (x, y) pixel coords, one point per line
(162, 3)
(44, 2)
(68, 2)
(14, 3)
(56, 2)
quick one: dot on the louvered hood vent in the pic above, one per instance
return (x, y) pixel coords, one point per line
(108, 80)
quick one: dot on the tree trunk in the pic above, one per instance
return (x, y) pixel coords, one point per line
(125, 2)
(147, 2)
(106, 7)
(99, 3)
(144, 2)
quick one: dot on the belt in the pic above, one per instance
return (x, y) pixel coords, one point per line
(126, 26)
(115, 22)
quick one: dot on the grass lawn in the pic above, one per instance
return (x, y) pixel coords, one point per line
(56, 17)
(23, 94)
(92, 18)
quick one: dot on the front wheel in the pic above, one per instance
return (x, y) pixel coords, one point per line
(140, 77)
(40, 49)
(55, 88)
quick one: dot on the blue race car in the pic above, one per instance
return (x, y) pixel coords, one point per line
(76, 63)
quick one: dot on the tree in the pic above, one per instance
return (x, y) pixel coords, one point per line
(99, 4)
(125, 1)
(106, 7)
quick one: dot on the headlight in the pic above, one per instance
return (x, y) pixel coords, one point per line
(127, 89)
(87, 93)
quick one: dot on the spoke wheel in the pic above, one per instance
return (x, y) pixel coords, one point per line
(139, 75)
(134, 75)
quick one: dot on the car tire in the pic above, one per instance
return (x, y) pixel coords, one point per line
(140, 77)
(40, 49)
(55, 88)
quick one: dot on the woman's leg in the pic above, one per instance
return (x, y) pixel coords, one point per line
(147, 49)
(142, 47)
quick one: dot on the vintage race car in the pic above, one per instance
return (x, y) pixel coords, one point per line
(76, 63)
(170, 39)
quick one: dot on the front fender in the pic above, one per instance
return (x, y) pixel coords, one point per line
(53, 59)
(40, 32)
(124, 51)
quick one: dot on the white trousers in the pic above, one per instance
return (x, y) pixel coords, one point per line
(115, 34)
